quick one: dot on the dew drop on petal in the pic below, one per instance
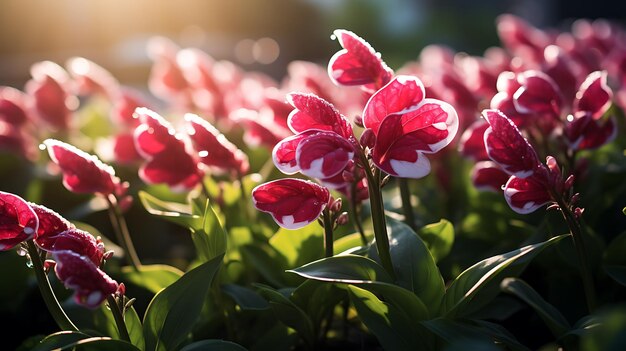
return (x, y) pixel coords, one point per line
(22, 251)
(570, 118)
(333, 37)
(42, 147)
(203, 153)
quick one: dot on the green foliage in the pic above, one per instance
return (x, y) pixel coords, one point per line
(439, 238)
(173, 311)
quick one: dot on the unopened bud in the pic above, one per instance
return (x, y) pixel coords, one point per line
(569, 182)
(342, 219)
(574, 199)
(48, 265)
(358, 120)
(368, 138)
(578, 212)
(121, 290)
(335, 206)
(107, 255)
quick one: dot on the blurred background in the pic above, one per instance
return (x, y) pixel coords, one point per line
(258, 35)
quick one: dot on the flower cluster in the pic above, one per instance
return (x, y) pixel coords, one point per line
(77, 255)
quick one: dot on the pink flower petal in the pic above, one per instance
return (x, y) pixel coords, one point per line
(594, 96)
(507, 147)
(488, 176)
(312, 112)
(214, 149)
(90, 78)
(13, 109)
(404, 137)
(18, 221)
(91, 285)
(51, 100)
(124, 150)
(401, 93)
(50, 225)
(323, 155)
(79, 242)
(586, 133)
(357, 63)
(526, 195)
(82, 172)
(538, 94)
(472, 142)
(293, 203)
(284, 153)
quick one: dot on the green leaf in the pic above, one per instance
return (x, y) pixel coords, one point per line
(60, 339)
(348, 243)
(104, 320)
(414, 266)
(470, 332)
(614, 260)
(478, 285)
(439, 238)
(210, 240)
(173, 311)
(392, 326)
(289, 313)
(153, 277)
(247, 299)
(260, 259)
(213, 345)
(100, 344)
(299, 246)
(549, 314)
(344, 269)
(174, 212)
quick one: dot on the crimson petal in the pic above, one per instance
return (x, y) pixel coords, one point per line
(18, 221)
(526, 195)
(507, 147)
(82, 172)
(313, 112)
(293, 203)
(399, 94)
(357, 63)
(594, 96)
(50, 225)
(538, 94)
(323, 155)
(488, 176)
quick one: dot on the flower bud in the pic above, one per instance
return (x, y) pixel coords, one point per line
(368, 138)
(358, 121)
(574, 199)
(569, 182)
(335, 206)
(348, 176)
(578, 212)
(342, 219)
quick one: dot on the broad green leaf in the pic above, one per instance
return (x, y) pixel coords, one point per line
(299, 246)
(615, 260)
(289, 313)
(246, 298)
(174, 310)
(317, 299)
(60, 339)
(174, 212)
(479, 284)
(344, 269)
(104, 320)
(439, 238)
(348, 243)
(392, 326)
(457, 332)
(549, 314)
(413, 264)
(266, 261)
(210, 240)
(213, 345)
(100, 344)
(154, 277)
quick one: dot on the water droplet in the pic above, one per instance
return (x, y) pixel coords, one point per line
(570, 118)
(203, 153)
(29, 264)
(42, 147)
(22, 251)
(333, 37)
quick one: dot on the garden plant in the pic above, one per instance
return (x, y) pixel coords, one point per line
(454, 203)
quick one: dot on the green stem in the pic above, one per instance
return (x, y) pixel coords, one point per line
(354, 208)
(328, 233)
(378, 214)
(49, 298)
(583, 260)
(405, 195)
(206, 192)
(121, 232)
(118, 316)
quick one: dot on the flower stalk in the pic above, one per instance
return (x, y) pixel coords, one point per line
(407, 209)
(117, 309)
(121, 231)
(57, 312)
(328, 232)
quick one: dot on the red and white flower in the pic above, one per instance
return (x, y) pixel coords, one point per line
(407, 125)
(293, 203)
(49, 90)
(168, 154)
(82, 172)
(18, 221)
